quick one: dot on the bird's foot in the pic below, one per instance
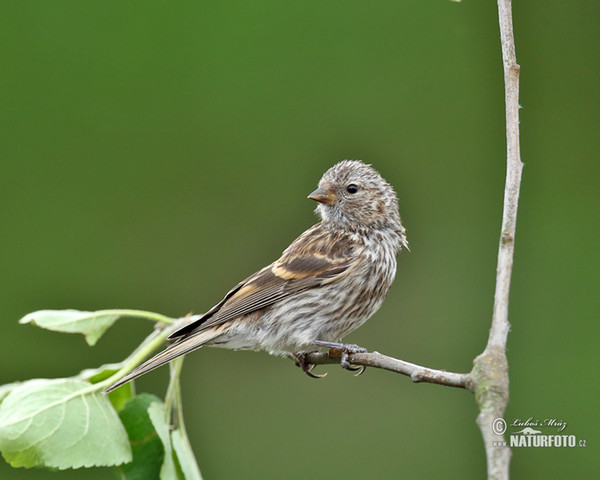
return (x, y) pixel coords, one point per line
(342, 350)
(302, 362)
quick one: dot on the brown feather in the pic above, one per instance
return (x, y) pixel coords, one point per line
(185, 345)
(310, 261)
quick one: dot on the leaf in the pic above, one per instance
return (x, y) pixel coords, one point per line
(90, 324)
(157, 416)
(7, 388)
(95, 375)
(61, 423)
(146, 445)
(117, 397)
(185, 455)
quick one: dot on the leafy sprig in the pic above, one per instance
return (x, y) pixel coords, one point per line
(69, 423)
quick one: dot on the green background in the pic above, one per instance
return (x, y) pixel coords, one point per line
(155, 153)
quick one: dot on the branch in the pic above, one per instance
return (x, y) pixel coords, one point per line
(417, 373)
(490, 370)
(500, 325)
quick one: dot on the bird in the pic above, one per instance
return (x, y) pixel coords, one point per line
(326, 284)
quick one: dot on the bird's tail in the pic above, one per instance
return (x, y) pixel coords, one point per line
(177, 349)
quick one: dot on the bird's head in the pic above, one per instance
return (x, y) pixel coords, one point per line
(352, 196)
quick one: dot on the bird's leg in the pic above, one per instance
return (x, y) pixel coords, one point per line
(306, 367)
(344, 350)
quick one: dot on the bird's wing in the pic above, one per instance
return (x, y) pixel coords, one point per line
(315, 258)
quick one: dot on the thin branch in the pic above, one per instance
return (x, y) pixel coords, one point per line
(490, 370)
(514, 167)
(417, 373)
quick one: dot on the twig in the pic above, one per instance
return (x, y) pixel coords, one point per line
(490, 371)
(417, 373)
(500, 325)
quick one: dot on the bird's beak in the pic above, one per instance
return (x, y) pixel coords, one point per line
(323, 196)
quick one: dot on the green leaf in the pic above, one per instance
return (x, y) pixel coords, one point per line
(157, 416)
(61, 423)
(7, 388)
(146, 445)
(185, 455)
(90, 324)
(117, 397)
(95, 375)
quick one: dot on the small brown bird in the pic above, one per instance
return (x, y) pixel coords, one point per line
(326, 284)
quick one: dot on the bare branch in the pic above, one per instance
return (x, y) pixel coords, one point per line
(490, 371)
(417, 373)
(500, 325)
(490, 377)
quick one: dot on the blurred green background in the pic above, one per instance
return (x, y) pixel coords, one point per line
(155, 153)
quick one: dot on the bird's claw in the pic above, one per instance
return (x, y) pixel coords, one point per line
(314, 375)
(306, 367)
(344, 349)
(345, 363)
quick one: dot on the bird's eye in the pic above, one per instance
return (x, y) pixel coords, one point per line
(352, 188)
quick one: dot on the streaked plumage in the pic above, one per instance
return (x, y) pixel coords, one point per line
(327, 283)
